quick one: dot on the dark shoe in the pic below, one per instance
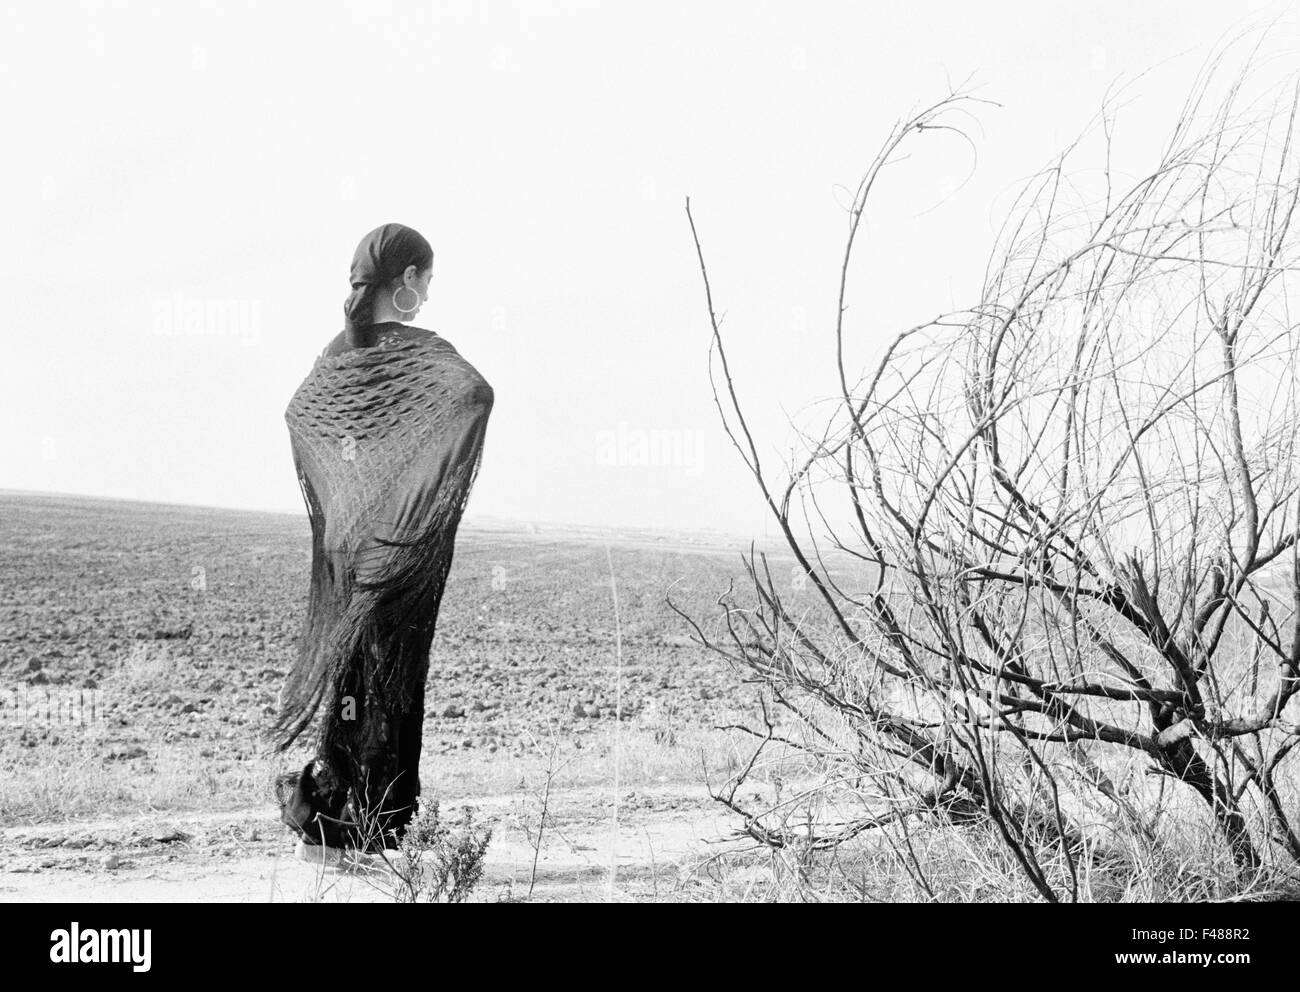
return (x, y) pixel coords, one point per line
(312, 809)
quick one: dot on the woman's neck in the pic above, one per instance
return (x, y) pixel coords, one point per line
(384, 311)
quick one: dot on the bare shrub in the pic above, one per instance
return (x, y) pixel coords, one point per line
(439, 861)
(1073, 624)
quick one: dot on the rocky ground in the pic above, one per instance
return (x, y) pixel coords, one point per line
(173, 628)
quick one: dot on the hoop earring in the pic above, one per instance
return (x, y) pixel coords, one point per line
(401, 309)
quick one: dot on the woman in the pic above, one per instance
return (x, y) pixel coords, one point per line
(387, 434)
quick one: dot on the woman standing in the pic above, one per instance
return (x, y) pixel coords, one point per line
(387, 435)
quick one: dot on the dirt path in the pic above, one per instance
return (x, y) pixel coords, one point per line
(661, 837)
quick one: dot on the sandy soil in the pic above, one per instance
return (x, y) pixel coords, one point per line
(654, 849)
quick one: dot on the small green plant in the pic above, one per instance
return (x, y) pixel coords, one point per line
(438, 861)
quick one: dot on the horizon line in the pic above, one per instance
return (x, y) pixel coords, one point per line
(468, 518)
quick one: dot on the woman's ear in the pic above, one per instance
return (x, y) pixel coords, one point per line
(410, 276)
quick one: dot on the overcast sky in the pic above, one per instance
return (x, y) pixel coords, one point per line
(185, 185)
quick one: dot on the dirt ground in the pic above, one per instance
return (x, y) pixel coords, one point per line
(653, 851)
(176, 626)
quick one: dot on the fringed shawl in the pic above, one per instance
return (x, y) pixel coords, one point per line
(387, 442)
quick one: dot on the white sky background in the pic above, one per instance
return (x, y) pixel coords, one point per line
(158, 155)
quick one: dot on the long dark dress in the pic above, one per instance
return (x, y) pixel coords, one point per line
(387, 440)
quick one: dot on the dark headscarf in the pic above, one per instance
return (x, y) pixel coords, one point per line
(381, 257)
